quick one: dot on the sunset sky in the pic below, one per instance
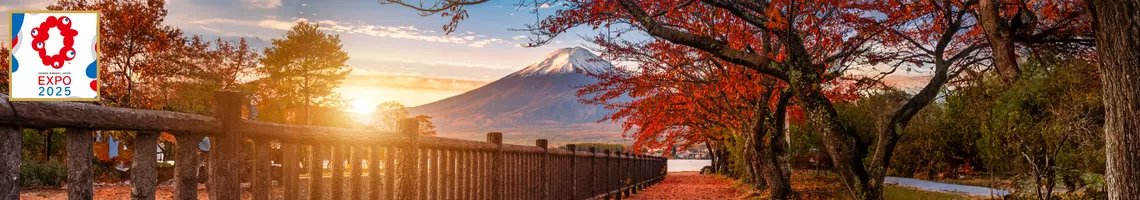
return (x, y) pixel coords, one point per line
(396, 55)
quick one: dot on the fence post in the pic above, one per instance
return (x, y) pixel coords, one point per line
(316, 171)
(226, 164)
(289, 175)
(144, 174)
(374, 172)
(409, 156)
(79, 148)
(11, 141)
(336, 165)
(185, 166)
(496, 179)
(573, 168)
(593, 172)
(542, 193)
(260, 181)
(357, 170)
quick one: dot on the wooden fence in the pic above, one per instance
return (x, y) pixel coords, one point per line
(407, 165)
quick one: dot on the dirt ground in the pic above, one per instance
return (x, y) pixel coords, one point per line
(109, 192)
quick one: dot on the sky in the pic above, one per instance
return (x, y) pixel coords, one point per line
(395, 54)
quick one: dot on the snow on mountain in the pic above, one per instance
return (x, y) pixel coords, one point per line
(539, 101)
(566, 61)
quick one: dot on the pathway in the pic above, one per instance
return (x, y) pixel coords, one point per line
(945, 187)
(690, 185)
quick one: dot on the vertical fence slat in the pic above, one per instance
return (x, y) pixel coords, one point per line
(435, 171)
(390, 173)
(357, 171)
(259, 181)
(544, 192)
(79, 180)
(185, 166)
(592, 173)
(289, 170)
(226, 164)
(337, 165)
(374, 172)
(144, 167)
(408, 170)
(449, 174)
(316, 171)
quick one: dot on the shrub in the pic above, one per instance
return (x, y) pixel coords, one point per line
(34, 174)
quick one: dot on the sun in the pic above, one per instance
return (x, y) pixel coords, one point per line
(363, 106)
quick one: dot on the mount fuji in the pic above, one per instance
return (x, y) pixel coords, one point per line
(539, 101)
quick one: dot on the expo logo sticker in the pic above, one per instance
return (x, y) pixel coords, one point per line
(54, 56)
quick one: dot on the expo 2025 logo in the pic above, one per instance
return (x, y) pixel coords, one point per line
(65, 43)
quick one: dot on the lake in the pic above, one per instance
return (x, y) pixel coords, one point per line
(687, 165)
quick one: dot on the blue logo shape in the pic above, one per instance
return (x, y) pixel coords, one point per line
(15, 64)
(91, 70)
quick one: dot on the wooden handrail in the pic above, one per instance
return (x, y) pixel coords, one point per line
(399, 163)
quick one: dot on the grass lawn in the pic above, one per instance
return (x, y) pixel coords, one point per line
(906, 193)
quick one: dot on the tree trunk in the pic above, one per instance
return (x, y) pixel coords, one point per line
(771, 151)
(1000, 37)
(842, 144)
(47, 145)
(1117, 25)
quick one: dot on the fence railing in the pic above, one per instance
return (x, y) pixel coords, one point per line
(383, 165)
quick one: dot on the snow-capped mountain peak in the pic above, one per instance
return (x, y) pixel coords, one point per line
(565, 61)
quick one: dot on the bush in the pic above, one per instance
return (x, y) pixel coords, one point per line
(34, 174)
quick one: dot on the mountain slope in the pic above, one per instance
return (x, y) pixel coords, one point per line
(543, 94)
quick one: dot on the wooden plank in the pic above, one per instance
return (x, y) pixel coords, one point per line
(260, 182)
(144, 167)
(449, 174)
(80, 179)
(289, 172)
(186, 164)
(316, 171)
(357, 172)
(37, 114)
(390, 173)
(337, 165)
(435, 173)
(374, 171)
(226, 164)
(422, 174)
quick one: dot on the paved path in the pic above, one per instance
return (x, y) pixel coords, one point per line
(690, 185)
(945, 187)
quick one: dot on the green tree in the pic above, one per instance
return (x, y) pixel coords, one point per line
(303, 68)
(388, 115)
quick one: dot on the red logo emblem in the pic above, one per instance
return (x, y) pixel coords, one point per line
(40, 35)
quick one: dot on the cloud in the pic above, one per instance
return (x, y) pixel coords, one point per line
(519, 37)
(262, 3)
(394, 32)
(482, 43)
(412, 81)
(448, 63)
